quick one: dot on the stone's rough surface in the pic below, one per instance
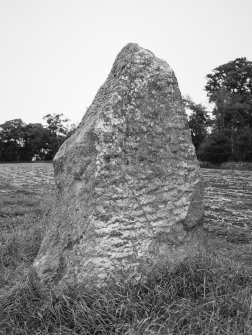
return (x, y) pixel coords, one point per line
(130, 197)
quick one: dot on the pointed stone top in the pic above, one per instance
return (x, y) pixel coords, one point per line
(129, 187)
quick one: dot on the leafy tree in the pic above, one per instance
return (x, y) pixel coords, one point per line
(215, 149)
(229, 87)
(11, 138)
(36, 141)
(21, 142)
(57, 124)
(199, 121)
(58, 128)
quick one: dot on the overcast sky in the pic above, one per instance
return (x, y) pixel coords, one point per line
(55, 54)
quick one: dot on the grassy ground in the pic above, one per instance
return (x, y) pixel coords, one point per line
(23, 215)
(208, 295)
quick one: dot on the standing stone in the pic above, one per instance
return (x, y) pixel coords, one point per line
(129, 191)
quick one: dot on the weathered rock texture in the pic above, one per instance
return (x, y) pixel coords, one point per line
(129, 191)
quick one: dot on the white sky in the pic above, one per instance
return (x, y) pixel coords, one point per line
(55, 54)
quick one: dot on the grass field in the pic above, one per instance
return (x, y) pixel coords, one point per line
(208, 295)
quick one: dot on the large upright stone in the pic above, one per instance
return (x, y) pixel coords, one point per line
(129, 191)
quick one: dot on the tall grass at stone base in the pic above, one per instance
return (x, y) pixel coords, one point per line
(207, 295)
(21, 236)
(211, 294)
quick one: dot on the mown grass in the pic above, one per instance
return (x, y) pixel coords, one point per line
(211, 294)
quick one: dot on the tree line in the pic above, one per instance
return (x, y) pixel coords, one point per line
(29, 142)
(223, 134)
